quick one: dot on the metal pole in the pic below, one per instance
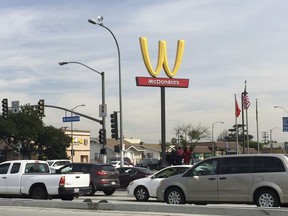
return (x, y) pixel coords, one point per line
(163, 128)
(100, 19)
(72, 143)
(103, 100)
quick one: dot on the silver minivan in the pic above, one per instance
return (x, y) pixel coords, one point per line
(260, 179)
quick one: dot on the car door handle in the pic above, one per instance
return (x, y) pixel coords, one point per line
(4, 177)
(222, 178)
(212, 179)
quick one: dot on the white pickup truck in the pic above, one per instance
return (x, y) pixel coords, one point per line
(34, 178)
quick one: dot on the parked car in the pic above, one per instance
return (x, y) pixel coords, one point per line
(149, 163)
(128, 174)
(126, 159)
(259, 179)
(34, 178)
(103, 177)
(146, 187)
(117, 164)
(58, 163)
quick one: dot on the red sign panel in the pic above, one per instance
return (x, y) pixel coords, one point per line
(162, 82)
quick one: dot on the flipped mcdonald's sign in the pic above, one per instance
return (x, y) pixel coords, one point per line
(162, 62)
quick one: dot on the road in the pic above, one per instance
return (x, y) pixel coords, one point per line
(120, 204)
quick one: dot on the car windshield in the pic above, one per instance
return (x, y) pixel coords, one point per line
(113, 162)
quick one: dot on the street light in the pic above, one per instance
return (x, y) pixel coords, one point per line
(72, 143)
(213, 144)
(103, 105)
(99, 22)
(271, 146)
(281, 108)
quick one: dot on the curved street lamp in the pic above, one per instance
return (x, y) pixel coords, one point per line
(99, 22)
(213, 143)
(72, 143)
(103, 105)
(281, 108)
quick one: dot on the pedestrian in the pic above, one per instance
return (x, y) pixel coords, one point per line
(186, 156)
(179, 156)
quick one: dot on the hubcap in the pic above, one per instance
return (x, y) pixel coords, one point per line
(140, 194)
(174, 197)
(266, 200)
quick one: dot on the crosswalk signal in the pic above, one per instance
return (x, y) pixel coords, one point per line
(102, 136)
(5, 108)
(114, 125)
(40, 108)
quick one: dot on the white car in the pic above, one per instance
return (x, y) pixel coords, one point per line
(57, 164)
(117, 164)
(144, 188)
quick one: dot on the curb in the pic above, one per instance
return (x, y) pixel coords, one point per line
(139, 207)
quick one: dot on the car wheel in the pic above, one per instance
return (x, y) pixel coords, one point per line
(109, 192)
(267, 198)
(39, 192)
(93, 190)
(141, 193)
(174, 196)
(67, 197)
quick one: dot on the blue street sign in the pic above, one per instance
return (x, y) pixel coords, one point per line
(71, 118)
(285, 124)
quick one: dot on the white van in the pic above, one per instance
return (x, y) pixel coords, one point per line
(259, 179)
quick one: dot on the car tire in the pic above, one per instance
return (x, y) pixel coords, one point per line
(109, 192)
(39, 192)
(93, 190)
(267, 198)
(141, 193)
(67, 197)
(174, 196)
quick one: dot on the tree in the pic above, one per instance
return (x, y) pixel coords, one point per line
(190, 134)
(26, 132)
(20, 130)
(53, 143)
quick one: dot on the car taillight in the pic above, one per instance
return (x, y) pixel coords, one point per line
(101, 173)
(62, 181)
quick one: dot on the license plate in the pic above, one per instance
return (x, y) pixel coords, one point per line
(76, 190)
(113, 183)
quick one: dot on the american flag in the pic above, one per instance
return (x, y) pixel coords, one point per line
(246, 101)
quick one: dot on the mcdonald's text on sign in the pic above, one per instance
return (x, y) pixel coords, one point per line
(162, 82)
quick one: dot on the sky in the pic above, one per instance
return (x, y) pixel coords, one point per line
(227, 42)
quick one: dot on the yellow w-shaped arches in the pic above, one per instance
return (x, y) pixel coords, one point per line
(162, 57)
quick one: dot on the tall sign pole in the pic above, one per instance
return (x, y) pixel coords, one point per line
(154, 81)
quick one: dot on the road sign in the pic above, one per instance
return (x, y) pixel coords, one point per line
(285, 124)
(71, 118)
(15, 106)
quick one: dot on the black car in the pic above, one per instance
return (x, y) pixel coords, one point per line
(149, 163)
(103, 177)
(128, 174)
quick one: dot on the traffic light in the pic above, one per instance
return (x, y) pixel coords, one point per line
(5, 108)
(117, 148)
(114, 126)
(102, 136)
(40, 107)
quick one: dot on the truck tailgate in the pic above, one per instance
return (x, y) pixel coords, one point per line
(77, 180)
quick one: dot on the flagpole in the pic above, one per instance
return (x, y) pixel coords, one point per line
(236, 124)
(246, 111)
(257, 127)
(243, 123)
